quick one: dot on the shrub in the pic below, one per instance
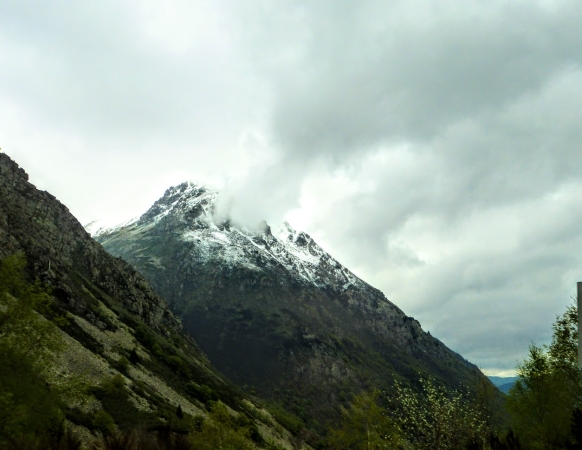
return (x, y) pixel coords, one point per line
(144, 336)
(122, 365)
(134, 357)
(179, 366)
(114, 396)
(201, 392)
(439, 419)
(103, 422)
(287, 419)
(365, 425)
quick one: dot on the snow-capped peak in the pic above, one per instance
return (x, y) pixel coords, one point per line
(190, 210)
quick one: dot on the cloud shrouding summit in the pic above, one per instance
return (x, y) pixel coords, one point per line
(434, 148)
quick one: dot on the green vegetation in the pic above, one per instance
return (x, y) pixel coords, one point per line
(545, 402)
(437, 418)
(103, 423)
(30, 404)
(544, 406)
(36, 401)
(201, 393)
(366, 425)
(218, 431)
(432, 418)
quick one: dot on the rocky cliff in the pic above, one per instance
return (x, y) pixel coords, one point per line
(115, 323)
(60, 250)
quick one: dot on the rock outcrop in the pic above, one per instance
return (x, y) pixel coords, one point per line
(60, 250)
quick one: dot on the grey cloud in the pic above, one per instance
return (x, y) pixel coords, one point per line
(265, 193)
(353, 87)
(502, 277)
(446, 134)
(94, 69)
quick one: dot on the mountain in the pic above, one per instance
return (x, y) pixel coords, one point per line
(506, 387)
(504, 384)
(274, 311)
(114, 324)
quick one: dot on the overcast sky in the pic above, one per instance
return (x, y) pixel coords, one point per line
(434, 148)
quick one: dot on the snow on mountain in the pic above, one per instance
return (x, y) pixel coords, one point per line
(192, 209)
(95, 228)
(99, 227)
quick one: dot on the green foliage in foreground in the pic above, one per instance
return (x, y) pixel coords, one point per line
(366, 425)
(437, 418)
(434, 418)
(219, 431)
(544, 400)
(545, 407)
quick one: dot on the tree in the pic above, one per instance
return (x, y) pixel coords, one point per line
(365, 426)
(563, 354)
(439, 419)
(220, 432)
(103, 422)
(536, 402)
(549, 389)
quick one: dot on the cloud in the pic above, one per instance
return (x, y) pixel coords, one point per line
(487, 277)
(433, 147)
(370, 73)
(141, 73)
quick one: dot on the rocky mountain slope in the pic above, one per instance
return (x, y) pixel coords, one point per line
(274, 311)
(115, 323)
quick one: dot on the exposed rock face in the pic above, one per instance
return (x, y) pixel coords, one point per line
(37, 224)
(108, 304)
(274, 311)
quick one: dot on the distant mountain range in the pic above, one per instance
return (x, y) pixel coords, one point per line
(274, 311)
(503, 383)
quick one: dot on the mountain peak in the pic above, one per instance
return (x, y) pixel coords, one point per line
(272, 309)
(189, 210)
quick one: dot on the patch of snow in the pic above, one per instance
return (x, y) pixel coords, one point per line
(220, 237)
(99, 227)
(213, 244)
